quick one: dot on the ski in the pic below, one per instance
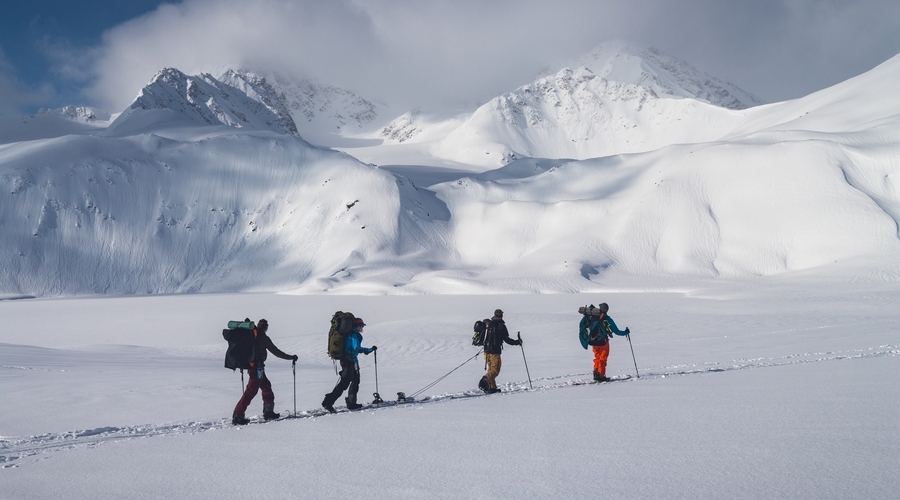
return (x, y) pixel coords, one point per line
(618, 378)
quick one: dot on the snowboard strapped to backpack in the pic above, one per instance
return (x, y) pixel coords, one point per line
(341, 324)
(242, 346)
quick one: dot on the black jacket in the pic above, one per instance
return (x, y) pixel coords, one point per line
(264, 344)
(496, 336)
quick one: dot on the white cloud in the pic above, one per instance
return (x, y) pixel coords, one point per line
(411, 53)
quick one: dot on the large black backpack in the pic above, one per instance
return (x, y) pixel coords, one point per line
(242, 346)
(484, 332)
(480, 332)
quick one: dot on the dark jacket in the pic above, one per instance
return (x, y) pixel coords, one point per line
(496, 336)
(264, 344)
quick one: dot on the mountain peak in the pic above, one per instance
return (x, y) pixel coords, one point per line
(173, 98)
(667, 76)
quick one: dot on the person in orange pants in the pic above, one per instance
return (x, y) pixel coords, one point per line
(595, 330)
(601, 355)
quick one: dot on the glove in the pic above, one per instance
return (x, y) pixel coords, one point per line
(374, 348)
(294, 358)
(520, 341)
(627, 330)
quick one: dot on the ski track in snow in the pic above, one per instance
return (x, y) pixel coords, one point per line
(14, 449)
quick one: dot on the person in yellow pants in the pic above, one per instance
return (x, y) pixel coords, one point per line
(494, 336)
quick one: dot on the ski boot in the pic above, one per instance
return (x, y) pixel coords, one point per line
(351, 403)
(328, 406)
(235, 420)
(269, 412)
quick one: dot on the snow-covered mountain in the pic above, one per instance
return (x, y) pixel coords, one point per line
(173, 98)
(49, 123)
(321, 113)
(198, 187)
(615, 99)
(665, 75)
(577, 114)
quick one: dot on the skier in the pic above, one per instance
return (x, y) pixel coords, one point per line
(349, 369)
(601, 346)
(258, 379)
(495, 335)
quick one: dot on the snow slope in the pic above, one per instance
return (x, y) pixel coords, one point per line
(47, 123)
(145, 214)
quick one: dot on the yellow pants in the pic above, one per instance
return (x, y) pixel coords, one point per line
(493, 369)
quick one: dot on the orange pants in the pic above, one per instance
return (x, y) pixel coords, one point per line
(601, 354)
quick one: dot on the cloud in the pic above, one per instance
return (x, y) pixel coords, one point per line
(413, 53)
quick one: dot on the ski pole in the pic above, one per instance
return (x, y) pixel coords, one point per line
(294, 369)
(242, 380)
(376, 395)
(628, 336)
(519, 334)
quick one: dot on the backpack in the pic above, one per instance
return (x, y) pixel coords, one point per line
(589, 328)
(481, 328)
(341, 324)
(242, 346)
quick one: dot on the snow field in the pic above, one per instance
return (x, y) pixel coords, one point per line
(780, 387)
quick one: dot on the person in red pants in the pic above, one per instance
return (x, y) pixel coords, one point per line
(258, 379)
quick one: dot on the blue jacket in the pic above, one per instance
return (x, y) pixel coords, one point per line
(353, 345)
(610, 326)
(607, 327)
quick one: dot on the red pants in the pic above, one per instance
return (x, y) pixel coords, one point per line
(258, 380)
(601, 354)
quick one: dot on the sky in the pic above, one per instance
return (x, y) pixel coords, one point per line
(440, 53)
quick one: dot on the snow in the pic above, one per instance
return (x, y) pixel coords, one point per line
(753, 252)
(181, 205)
(778, 387)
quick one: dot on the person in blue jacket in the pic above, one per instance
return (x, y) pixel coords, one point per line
(596, 333)
(349, 369)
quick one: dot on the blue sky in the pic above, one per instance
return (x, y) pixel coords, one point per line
(425, 53)
(31, 29)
